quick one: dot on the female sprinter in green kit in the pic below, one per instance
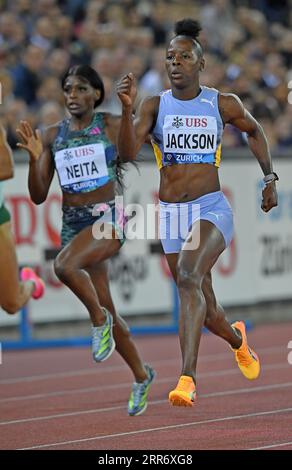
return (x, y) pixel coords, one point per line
(14, 294)
(82, 150)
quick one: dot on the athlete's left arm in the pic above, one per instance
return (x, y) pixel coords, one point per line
(233, 112)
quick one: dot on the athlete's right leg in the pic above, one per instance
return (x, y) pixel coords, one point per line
(125, 345)
(215, 320)
(13, 293)
(124, 342)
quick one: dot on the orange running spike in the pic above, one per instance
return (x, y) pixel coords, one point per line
(185, 392)
(247, 360)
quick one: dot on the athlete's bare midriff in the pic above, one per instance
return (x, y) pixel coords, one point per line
(102, 194)
(181, 183)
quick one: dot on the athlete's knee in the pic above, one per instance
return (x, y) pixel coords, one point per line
(11, 306)
(62, 269)
(188, 277)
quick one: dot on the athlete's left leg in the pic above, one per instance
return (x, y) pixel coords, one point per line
(83, 251)
(216, 320)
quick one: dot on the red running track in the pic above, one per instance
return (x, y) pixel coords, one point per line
(59, 399)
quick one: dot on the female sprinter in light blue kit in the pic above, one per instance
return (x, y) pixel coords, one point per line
(186, 124)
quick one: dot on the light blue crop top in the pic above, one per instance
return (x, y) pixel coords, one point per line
(188, 131)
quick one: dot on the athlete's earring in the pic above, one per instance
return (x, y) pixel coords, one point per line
(97, 94)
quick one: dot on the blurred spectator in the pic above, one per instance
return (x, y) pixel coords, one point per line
(42, 7)
(6, 86)
(15, 111)
(277, 11)
(152, 81)
(26, 75)
(44, 33)
(58, 63)
(284, 131)
(156, 21)
(49, 114)
(49, 90)
(7, 23)
(217, 21)
(83, 49)
(64, 32)
(75, 8)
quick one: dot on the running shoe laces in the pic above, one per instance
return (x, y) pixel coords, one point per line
(138, 399)
(245, 357)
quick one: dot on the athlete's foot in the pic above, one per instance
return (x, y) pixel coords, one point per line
(28, 274)
(185, 392)
(103, 343)
(138, 399)
(247, 360)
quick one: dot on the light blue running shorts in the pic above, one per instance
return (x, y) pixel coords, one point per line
(176, 219)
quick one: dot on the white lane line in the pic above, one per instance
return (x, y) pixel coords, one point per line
(281, 444)
(110, 369)
(161, 428)
(102, 388)
(155, 402)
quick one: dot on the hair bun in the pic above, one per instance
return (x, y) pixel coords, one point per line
(188, 27)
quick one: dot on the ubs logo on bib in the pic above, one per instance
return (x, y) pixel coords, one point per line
(68, 155)
(177, 122)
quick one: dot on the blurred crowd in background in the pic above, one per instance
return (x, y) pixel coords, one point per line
(247, 46)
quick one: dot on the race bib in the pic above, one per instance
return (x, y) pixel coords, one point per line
(189, 137)
(81, 164)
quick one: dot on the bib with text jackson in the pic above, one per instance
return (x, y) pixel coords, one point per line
(189, 139)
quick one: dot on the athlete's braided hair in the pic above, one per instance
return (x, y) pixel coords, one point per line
(190, 28)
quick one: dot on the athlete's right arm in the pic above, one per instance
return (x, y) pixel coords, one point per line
(41, 167)
(6, 159)
(133, 133)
